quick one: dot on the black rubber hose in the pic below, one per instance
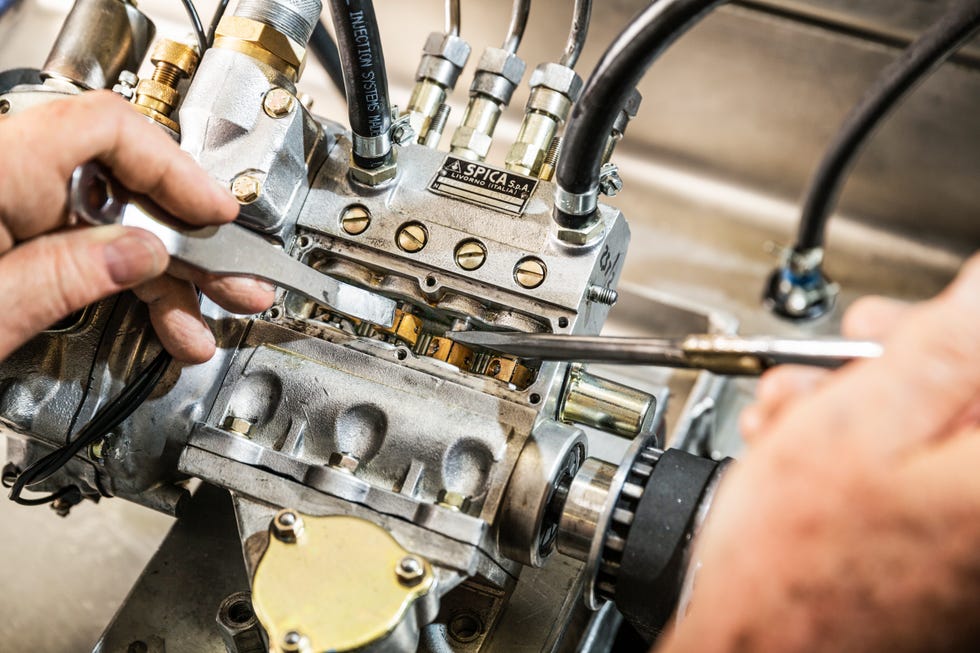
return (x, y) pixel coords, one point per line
(365, 78)
(615, 77)
(916, 62)
(328, 56)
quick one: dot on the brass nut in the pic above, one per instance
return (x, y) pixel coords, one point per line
(287, 526)
(453, 500)
(410, 571)
(343, 461)
(470, 140)
(470, 254)
(412, 237)
(259, 41)
(238, 425)
(530, 272)
(158, 91)
(581, 236)
(278, 103)
(246, 188)
(181, 56)
(355, 219)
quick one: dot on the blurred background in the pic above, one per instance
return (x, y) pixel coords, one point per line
(734, 119)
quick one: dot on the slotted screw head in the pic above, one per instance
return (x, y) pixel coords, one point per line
(530, 272)
(278, 103)
(470, 254)
(355, 219)
(246, 188)
(412, 237)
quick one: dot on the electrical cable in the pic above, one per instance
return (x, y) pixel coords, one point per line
(453, 19)
(325, 50)
(581, 16)
(612, 82)
(202, 38)
(365, 79)
(105, 420)
(219, 13)
(895, 82)
(518, 22)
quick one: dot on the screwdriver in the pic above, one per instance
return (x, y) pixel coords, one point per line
(718, 353)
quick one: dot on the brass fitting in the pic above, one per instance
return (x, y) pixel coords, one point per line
(261, 42)
(157, 97)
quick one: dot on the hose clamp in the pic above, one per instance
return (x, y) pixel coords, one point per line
(576, 203)
(372, 147)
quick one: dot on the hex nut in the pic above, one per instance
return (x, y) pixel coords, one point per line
(246, 188)
(374, 176)
(453, 500)
(503, 63)
(179, 55)
(278, 103)
(446, 46)
(287, 526)
(582, 236)
(343, 461)
(468, 138)
(238, 425)
(410, 571)
(558, 78)
(247, 35)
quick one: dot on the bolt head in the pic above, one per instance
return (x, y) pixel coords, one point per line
(278, 103)
(530, 272)
(246, 188)
(343, 461)
(355, 219)
(410, 570)
(238, 425)
(287, 526)
(470, 254)
(453, 500)
(294, 642)
(412, 237)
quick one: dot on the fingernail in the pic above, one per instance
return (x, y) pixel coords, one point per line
(132, 259)
(265, 285)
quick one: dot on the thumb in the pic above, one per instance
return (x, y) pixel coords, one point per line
(49, 277)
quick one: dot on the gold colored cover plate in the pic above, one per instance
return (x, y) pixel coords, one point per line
(336, 585)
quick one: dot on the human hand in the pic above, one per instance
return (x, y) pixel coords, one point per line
(46, 272)
(852, 522)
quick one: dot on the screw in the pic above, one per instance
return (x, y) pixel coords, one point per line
(238, 425)
(343, 461)
(355, 219)
(246, 188)
(410, 571)
(601, 295)
(278, 102)
(287, 526)
(470, 254)
(530, 272)
(412, 237)
(610, 183)
(453, 500)
(401, 131)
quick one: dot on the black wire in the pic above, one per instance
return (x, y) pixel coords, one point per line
(610, 85)
(325, 50)
(365, 77)
(202, 39)
(105, 420)
(219, 12)
(916, 62)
